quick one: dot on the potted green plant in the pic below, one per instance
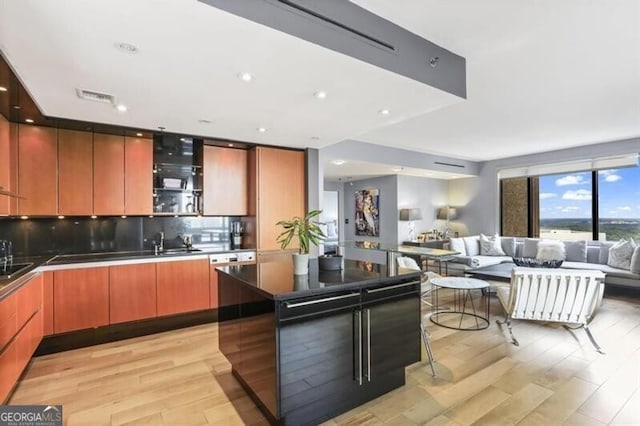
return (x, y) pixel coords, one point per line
(307, 231)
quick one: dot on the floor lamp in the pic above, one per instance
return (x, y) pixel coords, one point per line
(447, 213)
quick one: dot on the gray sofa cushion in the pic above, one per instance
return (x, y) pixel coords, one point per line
(576, 251)
(604, 251)
(472, 245)
(530, 248)
(593, 254)
(481, 261)
(620, 254)
(508, 246)
(457, 244)
(608, 270)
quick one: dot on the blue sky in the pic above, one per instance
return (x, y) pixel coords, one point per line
(569, 195)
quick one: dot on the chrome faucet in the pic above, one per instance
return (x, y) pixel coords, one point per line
(161, 245)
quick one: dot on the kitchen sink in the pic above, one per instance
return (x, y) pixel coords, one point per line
(179, 250)
(11, 270)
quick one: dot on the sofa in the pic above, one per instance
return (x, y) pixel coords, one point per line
(586, 255)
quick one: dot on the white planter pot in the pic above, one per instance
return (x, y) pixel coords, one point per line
(300, 264)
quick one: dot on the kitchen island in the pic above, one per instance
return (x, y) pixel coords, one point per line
(308, 348)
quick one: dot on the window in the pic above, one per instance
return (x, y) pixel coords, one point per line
(619, 204)
(565, 210)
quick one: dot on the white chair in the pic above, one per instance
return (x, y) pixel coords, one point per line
(553, 295)
(407, 265)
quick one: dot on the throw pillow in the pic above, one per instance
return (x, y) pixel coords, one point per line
(331, 229)
(603, 257)
(490, 246)
(472, 245)
(457, 244)
(408, 263)
(530, 247)
(576, 251)
(508, 245)
(635, 261)
(620, 254)
(550, 250)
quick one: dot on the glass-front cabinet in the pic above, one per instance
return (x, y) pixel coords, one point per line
(177, 175)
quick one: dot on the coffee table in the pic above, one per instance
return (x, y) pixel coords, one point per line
(462, 288)
(499, 272)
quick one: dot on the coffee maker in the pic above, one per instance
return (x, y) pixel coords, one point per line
(237, 231)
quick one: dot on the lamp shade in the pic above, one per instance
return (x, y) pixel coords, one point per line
(410, 214)
(447, 213)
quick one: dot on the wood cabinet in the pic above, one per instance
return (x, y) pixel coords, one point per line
(8, 323)
(132, 292)
(20, 332)
(37, 170)
(138, 175)
(278, 187)
(5, 166)
(80, 299)
(225, 181)
(108, 175)
(47, 303)
(182, 286)
(75, 172)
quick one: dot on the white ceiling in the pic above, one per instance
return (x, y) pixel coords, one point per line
(541, 75)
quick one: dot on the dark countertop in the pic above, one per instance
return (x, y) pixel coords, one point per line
(9, 285)
(274, 278)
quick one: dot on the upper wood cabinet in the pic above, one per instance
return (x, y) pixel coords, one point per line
(280, 191)
(225, 181)
(108, 175)
(138, 176)
(75, 172)
(5, 166)
(37, 170)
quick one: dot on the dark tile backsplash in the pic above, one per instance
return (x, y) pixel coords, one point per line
(108, 234)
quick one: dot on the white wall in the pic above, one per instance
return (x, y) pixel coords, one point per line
(427, 195)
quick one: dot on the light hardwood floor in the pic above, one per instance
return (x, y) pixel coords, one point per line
(180, 378)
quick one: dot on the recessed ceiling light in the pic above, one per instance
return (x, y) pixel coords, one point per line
(28, 120)
(121, 108)
(397, 169)
(320, 94)
(3, 89)
(139, 135)
(261, 129)
(126, 47)
(338, 162)
(384, 112)
(204, 121)
(245, 76)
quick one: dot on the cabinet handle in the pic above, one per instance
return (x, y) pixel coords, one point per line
(313, 302)
(359, 315)
(391, 287)
(368, 345)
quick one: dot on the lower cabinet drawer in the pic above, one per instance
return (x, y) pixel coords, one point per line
(8, 370)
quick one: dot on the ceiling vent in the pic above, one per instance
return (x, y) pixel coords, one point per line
(90, 95)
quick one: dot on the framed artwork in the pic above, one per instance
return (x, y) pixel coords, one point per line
(367, 214)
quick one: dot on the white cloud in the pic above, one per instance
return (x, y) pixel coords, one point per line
(613, 178)
(624, 208)
(579, 195)
(571, 180)
(570, 209)
(545, 195)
